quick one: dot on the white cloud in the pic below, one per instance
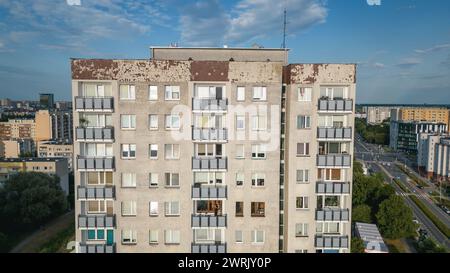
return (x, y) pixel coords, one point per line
(408, 63)
(432, 49)
(73, 2)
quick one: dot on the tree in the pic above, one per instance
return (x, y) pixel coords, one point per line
(427, 245)
(28, 199)
(357, 245)
(362, 213)
(4, 243)
(395, 219)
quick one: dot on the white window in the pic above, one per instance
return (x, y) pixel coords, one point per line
(172, 122)
(172, 236)
(301, 230)
(259, 93)
(209, 150)
(302, 202)
(332, 121)
(129, 237)
(240, 177)
(172, 179)
(259, 123)
(240, 93)
(95, 120)
(172, 151)
(153, 179)
(302, 176)
(239, 238)
(128, 151)
(302, 149)
(258, 179)
(240, 122)
(97, 149)
(153, 151)
(128, 122)
(172, 93)
(240, 153)
(96, 90)
(129, 208)
(153, 237)
(128, 180)
(127, 92)
(258, 151)
(258, 236)
(327, 228)
(153, 92)
(303, 122)
(154, 211)
(172, 208)
(334, 93)
(153, 122)
(304, 94)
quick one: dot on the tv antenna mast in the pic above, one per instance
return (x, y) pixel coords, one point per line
(284, 29)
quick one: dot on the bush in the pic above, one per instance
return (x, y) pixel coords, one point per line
(395, 218)
(427, 245)
(357, 245)
(362, 213)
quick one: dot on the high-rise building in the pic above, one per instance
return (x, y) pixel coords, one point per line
(433, 157)
(213, 150)
(62, 125)
(423, 114)
(47, 100)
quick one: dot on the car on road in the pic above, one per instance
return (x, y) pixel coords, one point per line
(445, 209)
(420, 187)
(423, 232)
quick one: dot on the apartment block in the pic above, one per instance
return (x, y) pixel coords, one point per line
(433, 156)
(55, 149)
(62, 125)
(438, 115)
(212, 150)
(377, 114)
(37, 129)
(15, 148)
(405, 135)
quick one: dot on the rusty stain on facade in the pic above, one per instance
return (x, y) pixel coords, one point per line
(326, 73)
(256, 72)
(214, 71)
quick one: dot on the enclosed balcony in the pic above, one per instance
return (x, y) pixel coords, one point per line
(331, 242)
(334, 161)
(96, 248)
(201, 221)
(209, 248)
(209, 104)
(332, 188)
(94, 104)
(330, 134)
(95, 134)
(90, 193)
(216, 163)
(95, 163)
(208, 192)
(96, 221)
(333, 215)
(209, 134)
(335, 105)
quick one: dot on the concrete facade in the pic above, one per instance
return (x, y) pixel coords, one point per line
(434, 155)
(53, 149)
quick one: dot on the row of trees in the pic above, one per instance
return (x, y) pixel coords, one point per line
(376, 134)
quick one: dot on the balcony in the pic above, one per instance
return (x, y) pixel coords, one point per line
(326, 134)
(333, 215)
(331, 242)
(209, 163)
(209, 134)
(96, 192)
(95, 134)
(207, 192)
(332, 188)
(209, 248)
(334, 161)
(95, 163)
(210, 105)
(96, 248)
(200, 221)
(96, 221)
(91, 104)
(335, 105)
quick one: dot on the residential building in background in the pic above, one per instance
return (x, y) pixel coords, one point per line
(423, 114)
(433, 157)
(55, 149)
(16, 148)
(36, 129)
(373, 242)
(47, 101)
(62, 125)
(377, 114)
(404, 135)
(212, 150)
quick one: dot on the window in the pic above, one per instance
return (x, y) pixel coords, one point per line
(327, 228)
(95, 120)
(240, 93)
(239, 209)
(172, 122)
(153, 151)
(172, 151)
(97, 178)
(302, 176)
(334, 92)
(153, 92)
(97, 90)
(301, 230)
(303, 122)
(259, 123)
(153, 237)
(154, 211)
(172, 93)
(304, 94)
(240, 153)
(331, 201)
(153, 122)
(153, 180)
(129, 208)
(172, 208)
(240, 122)
(240, 179)
(172, 237)
(128, 122)
(258, 151)
(304, 251)
(239, 238)
(302, 149)
(258, 209)
(129, 237)
(259, 93)
(97, 206)
(128, 180)
(208, 150)
(128, 151)
(96, 235)
(330, 174)
(258, 236)
(127, 92)
(302, 202)
(209, 178)
(172, 180)
(96, 149)
(258, 179)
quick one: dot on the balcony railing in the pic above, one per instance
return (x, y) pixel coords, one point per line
(209, 220)
(207, 192)
(94, 104)
(335, 105)
(334, 161)
(96, 192)
(209, 104)
(209, 163)
(334, 133)
(209, 134)
(331, 241)
(96, 248)
(95, 134)
(96, 221)
(209, 248)
(95, 163)
(333, 215)
(332, 188)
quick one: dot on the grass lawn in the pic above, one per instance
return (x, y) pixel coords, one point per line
(395, 246)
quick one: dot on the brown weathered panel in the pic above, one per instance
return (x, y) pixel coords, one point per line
(255, 72)
(209, 71)
(287, 74)
(324, 73)
(94, 69)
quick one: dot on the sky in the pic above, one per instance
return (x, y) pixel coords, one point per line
(402, 47)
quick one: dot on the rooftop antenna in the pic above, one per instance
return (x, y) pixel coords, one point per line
(284, 29)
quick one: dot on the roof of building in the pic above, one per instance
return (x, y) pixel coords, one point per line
(220, 48)
(371, 236)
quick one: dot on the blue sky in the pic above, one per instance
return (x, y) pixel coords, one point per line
(402, 47)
